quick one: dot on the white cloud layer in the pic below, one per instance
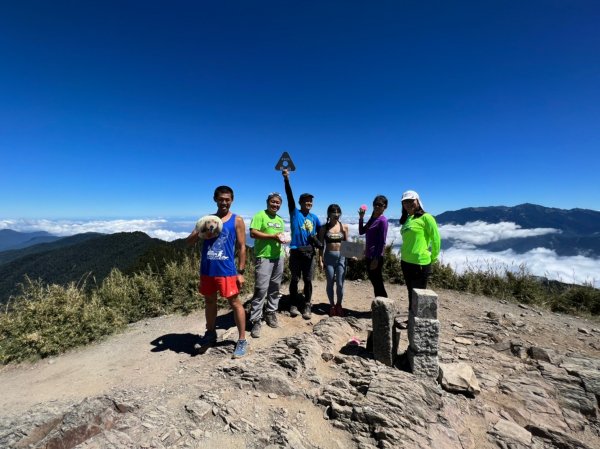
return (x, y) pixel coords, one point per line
(481, 233)
(157, 228)
(539, 261)
(462, 256)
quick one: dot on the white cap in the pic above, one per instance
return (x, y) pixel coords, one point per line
(412, 195)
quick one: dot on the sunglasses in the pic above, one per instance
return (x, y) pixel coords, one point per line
(378, 205)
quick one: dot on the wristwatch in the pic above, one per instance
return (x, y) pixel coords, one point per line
(242, 271)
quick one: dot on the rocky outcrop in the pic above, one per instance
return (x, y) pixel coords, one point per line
(514, 394)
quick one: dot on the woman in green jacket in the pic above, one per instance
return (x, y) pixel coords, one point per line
(420, 242)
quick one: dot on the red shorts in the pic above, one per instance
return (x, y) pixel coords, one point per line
(226, 285)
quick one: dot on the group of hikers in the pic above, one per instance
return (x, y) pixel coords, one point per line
(310, 242)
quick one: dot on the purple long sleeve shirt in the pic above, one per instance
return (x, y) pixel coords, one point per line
(376, 234)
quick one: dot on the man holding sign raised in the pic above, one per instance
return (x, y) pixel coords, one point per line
(304, 226)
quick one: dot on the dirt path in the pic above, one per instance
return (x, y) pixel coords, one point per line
(135, 358)
(153, 353)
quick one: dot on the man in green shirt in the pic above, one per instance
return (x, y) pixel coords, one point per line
(267, 229)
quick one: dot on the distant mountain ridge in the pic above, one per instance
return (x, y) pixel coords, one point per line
(10, 239)
(72, 258)
(580, 222)
(68, 259)
(579, 228)
(35, 247)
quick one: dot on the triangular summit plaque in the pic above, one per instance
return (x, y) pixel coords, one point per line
(285, 161)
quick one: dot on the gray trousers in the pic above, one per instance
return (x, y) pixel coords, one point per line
(267, 280)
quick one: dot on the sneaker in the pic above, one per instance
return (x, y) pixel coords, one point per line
(271, 319)
(294, 312)
(333, 310)
(338, 310)
(255, 332)
(307, 313)
(240, 349)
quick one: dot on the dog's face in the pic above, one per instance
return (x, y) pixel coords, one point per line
(209, 226)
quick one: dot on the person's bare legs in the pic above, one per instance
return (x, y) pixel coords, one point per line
(210, 311)
(239, 315)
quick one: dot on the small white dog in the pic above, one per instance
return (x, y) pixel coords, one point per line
(209, 226)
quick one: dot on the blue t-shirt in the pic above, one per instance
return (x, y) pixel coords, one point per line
(218, 254)
(302, 228)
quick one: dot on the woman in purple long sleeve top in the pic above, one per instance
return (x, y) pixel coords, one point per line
(376, 233)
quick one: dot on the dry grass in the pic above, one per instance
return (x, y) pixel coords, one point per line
(45, 320)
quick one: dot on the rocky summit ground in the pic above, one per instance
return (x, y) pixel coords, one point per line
(313, 384)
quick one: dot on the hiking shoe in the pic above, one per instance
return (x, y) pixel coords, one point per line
(271, 319)
(255, 332)
(240, 349)
(338, 310)
(332, 310)
(307, 313)
(294, 312)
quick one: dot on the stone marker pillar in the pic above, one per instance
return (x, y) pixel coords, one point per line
(383, 312)
(423, 333)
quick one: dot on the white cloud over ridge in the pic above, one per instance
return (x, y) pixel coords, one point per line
(481, 233)
(462, 256)
(157, 228)
(465, 255)
(539, 261)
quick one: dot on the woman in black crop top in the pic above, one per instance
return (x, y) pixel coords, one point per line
(332, 235)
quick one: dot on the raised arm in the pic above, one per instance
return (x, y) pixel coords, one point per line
(362, 227)
(288, 191)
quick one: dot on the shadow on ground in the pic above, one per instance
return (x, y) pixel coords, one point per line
(184, 343)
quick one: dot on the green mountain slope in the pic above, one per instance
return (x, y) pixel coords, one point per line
(127, 251)
(14, 254)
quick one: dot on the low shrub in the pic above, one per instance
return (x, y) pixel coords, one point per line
(45, 320)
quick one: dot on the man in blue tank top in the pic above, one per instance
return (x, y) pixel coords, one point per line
(218, 273)
(304, 226)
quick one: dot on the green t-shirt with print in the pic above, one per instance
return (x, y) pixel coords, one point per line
(267, 249)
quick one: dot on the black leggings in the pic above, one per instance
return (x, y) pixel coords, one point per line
(415, 276)
(376, 277)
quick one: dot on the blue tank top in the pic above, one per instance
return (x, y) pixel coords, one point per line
(218, 254)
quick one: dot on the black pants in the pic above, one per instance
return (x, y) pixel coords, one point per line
(303, 265)
(415, 276)
(376, 277)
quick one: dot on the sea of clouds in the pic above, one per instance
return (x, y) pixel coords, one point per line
(464, 253)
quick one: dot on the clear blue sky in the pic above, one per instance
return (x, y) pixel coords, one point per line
(141, 108)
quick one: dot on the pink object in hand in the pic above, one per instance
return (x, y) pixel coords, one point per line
(363, 208)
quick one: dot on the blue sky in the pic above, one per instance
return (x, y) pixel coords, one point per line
(139, 109)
